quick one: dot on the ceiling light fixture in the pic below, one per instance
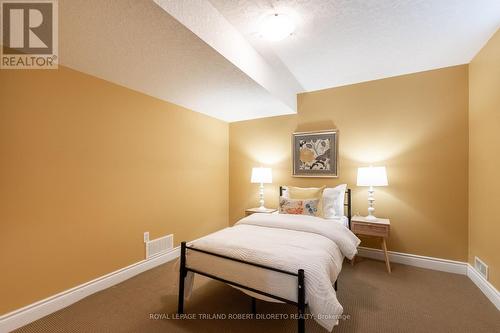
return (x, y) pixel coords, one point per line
(276, 27)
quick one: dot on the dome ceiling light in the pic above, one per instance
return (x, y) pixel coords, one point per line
(276, 27)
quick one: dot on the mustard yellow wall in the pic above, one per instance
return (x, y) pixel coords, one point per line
(86, 167)
(416, 125)
(484, 153)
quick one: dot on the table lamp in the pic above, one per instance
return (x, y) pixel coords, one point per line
(372, 176)
(262, 176)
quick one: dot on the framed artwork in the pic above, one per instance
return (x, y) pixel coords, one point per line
(315, 154)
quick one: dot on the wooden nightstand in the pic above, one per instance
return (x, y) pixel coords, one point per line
(250, 211)
(379, 228)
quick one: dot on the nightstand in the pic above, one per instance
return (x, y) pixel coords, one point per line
(250, 211)
(378, 228)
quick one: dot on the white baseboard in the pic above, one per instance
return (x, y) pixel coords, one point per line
(487, 288)
(437, 264)
(32, 312)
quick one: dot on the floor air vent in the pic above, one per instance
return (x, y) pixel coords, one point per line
(159, 246)
(481, 267)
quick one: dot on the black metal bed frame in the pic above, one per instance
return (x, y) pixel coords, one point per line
(301, 302)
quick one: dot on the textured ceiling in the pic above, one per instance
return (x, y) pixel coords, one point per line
(339, 42)
(136, 44)
(206, 55)
(208, 24)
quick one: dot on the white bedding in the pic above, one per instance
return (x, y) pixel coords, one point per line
(338, 219)
(287, 242)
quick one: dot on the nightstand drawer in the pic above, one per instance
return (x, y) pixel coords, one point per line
(370, 229)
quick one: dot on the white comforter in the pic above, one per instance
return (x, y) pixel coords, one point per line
(289, 242)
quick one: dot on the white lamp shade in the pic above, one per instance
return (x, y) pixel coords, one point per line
(372, 176)
(262, 175)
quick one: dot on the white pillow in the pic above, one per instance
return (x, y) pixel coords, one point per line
(284, 192)
(333, 201)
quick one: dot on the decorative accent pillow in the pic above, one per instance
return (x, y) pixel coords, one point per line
(333, 201)
(299, 206)
(305, 192)
(308, 193)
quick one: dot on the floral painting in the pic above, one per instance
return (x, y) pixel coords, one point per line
(315, 154)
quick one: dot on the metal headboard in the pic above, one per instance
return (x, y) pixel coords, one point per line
(347, 204)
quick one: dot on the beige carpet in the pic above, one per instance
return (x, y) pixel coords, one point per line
(409, 300)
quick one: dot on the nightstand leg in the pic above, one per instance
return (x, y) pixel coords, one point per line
(387, 263)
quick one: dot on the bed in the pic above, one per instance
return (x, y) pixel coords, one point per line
(294, 259)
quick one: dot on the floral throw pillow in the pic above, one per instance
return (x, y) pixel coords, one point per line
(299, 206)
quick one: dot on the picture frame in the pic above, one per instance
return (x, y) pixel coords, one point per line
(315, 154)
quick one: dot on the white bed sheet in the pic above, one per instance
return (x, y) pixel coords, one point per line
(339, 219)
(283, 241)
(278, 284)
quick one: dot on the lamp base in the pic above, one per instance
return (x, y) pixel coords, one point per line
(262, 208)
(371, 209)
